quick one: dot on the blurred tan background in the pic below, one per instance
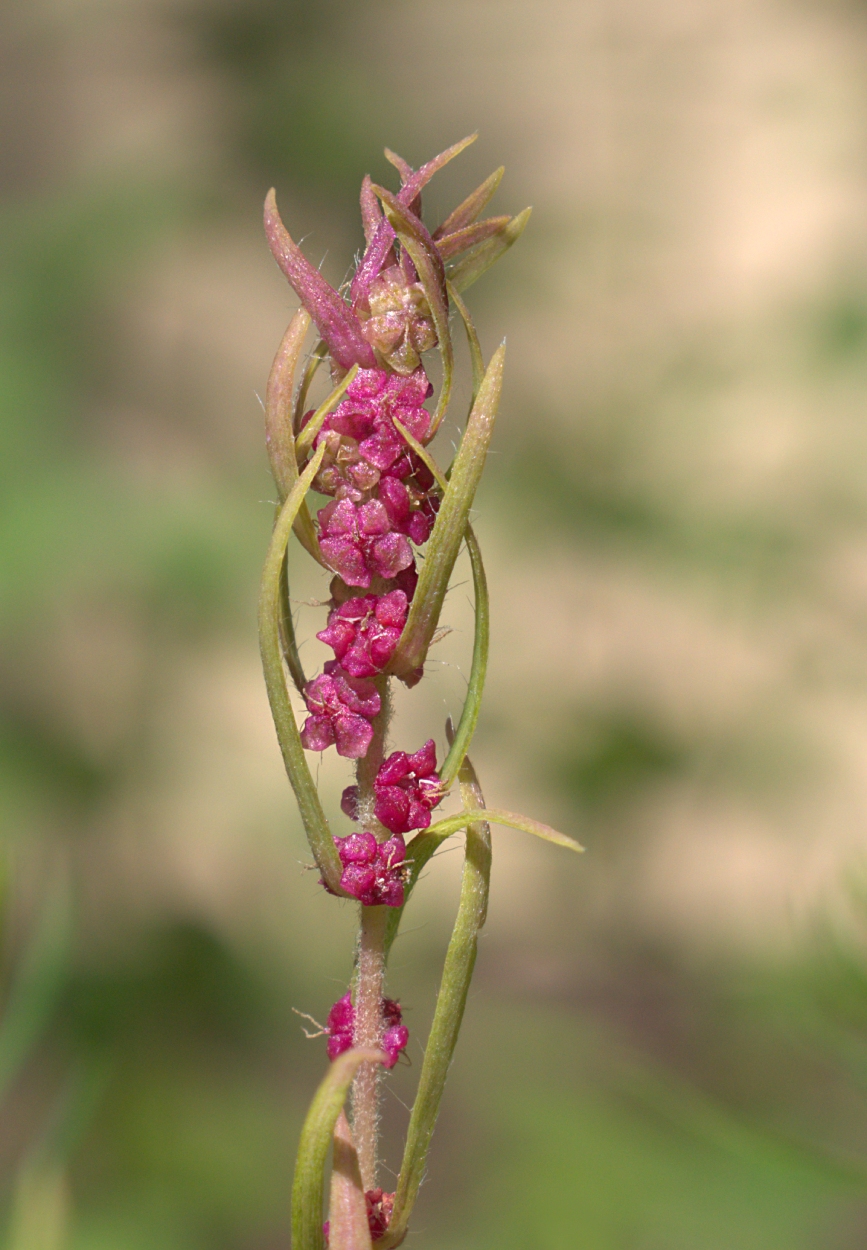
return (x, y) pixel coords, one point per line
(666, 1048)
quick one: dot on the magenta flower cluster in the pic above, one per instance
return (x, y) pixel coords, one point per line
(341, 1026)
(383, 507)
(372, 871)
(406, 788)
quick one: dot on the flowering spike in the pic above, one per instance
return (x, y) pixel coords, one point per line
(464, 272)
(426, 259)
(472, 207)
(337, 324)
(316, 1136)
(374, 257)
(449, 245)
(348, 1227)
(450, 524)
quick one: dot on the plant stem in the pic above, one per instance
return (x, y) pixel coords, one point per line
(368, 1034)
(370, 967)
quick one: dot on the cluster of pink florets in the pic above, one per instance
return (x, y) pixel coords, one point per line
(341, 1027)
(383, 502)
(381, 488)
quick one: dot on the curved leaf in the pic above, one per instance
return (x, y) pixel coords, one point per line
(464, 272)
(373, 258)
(497, 816)
(308, 1185)
(476, 360)
(481, 643)
(336, 322)
(320, 351)
(279, 425)
(450, 525)
(451, 1002)
(304, 441)
(450, 245)
(467, 211)
(349, 1228)
(294, 759)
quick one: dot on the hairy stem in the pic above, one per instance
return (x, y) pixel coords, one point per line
(368, 1035)
(370, 968)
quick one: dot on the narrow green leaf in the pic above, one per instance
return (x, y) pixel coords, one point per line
(451, 1002)
(38, 981)
(476, 360)
(464, 272)
(297, 769)
(423, 455)
(450, 525)
(308, 1186)
(451, 824)
(320, 351)
(304, 441)
(279, 437)
(423, 253)
(472, 206)
(288, 645)
(481, 643)
(450, 245)
(348, 1226)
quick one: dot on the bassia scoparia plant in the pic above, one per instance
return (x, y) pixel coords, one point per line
(388, 539)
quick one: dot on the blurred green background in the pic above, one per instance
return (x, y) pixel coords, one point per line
(666, 1048)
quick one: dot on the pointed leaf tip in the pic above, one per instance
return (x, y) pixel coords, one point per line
(337, 323)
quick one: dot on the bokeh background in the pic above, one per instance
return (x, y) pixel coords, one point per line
(666, 1047)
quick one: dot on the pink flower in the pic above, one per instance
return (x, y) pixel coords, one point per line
(407, 787)
(341, 1026)
(373, 871)
(341, 708)
(359, 543)
(364, 631)
(360, 436)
